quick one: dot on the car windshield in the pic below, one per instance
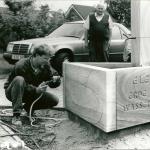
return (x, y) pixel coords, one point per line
(68, 30)
(127, 31)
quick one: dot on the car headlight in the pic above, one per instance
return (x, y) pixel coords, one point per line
(10, 47)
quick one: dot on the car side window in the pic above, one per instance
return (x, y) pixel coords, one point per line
(116, 34)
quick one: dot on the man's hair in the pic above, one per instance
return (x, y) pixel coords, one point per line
(41, 50)
(102, 5)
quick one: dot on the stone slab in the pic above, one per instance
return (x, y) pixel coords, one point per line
(140, 23)
(110, 99)
(90, 93)
(108, 65)
(133, 96)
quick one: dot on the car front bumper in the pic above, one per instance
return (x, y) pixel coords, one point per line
(12, 58)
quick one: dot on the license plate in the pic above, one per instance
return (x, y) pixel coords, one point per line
(17, 57)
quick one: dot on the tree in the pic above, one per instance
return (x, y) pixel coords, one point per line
(16, 5)
(22, 21)
(44, 21)
(120, 10)
(57, 20)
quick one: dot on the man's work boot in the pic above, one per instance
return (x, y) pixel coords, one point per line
(16, 120)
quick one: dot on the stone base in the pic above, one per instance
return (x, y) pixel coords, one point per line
(110, 96)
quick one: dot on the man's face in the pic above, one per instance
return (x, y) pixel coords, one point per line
(100, 10)
(40, 62)
(43, 59)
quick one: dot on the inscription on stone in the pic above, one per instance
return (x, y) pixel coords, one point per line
(141, 79)
(138, 92)
(136, 106)
(133, 97)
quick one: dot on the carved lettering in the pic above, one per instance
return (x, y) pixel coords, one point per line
(137, 94)
(135, 81)
(126, 107)
(136, 106)
(147, 79)
(141, 79)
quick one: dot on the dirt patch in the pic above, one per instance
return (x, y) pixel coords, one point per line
(42, 134)
(56, 130)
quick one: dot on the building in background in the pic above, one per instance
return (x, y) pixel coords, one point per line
(78, 12)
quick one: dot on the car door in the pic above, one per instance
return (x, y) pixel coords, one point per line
(117, 43)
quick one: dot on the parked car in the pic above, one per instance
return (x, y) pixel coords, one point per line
(67, 43)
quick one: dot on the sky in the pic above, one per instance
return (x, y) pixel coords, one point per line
(64, 4)
(61, 4)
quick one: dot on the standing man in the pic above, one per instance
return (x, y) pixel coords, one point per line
(27, 82)
(98, 28)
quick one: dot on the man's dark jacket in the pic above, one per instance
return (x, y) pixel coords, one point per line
(24, 68)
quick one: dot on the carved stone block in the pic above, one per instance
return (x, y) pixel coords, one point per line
(108, 97)
(133, 96)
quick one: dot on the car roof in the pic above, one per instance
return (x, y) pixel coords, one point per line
(126, 30)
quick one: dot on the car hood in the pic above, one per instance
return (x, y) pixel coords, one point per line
(48, 40)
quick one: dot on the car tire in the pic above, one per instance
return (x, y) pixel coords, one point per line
(57, 62)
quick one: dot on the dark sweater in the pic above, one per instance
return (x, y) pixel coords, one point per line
(23, 68)
(99, 30)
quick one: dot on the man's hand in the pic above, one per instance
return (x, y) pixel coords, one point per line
(42, 87)
(55, 82)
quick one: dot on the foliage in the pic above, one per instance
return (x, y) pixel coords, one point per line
(120, 10)
(22, 21)
(16, 6)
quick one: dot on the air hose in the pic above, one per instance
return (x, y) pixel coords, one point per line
(31, 107)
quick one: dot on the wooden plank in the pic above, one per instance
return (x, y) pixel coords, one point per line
(133, 93)
(90, 93)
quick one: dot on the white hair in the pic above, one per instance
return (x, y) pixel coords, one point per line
(102, 4)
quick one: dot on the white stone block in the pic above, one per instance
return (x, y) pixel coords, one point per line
(109, 98)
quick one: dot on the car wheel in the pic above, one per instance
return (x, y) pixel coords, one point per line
(57, 62)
